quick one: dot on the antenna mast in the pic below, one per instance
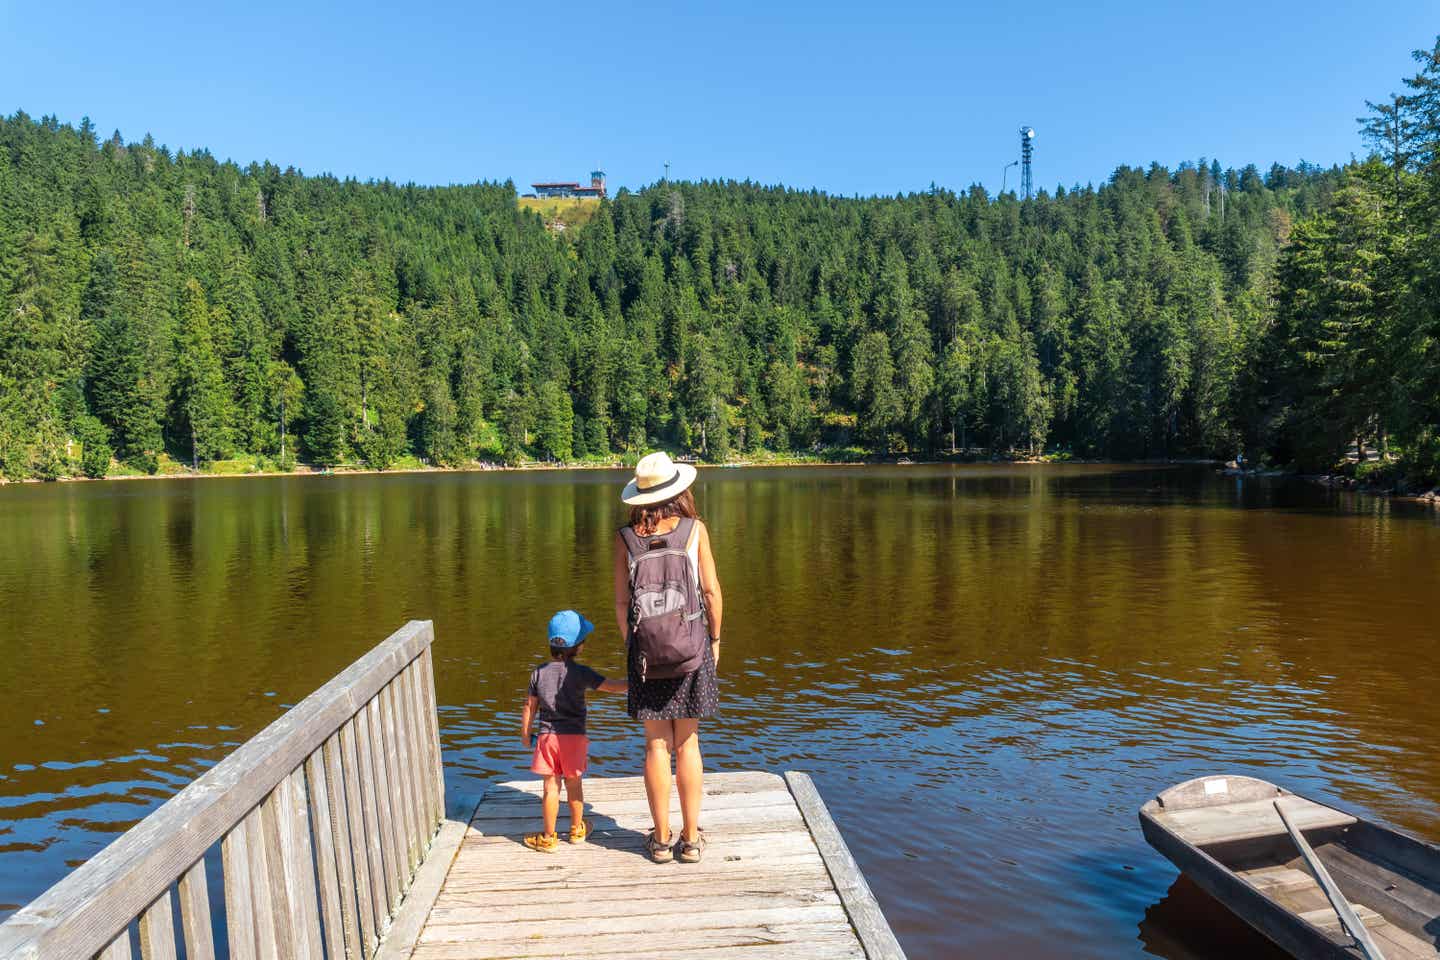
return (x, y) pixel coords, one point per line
(1027, 150)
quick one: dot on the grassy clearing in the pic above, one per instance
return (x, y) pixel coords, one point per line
(573, 212)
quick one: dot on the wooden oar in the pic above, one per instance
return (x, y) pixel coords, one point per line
(1348, 919)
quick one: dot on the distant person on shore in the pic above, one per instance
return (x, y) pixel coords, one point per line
(668, 607)
(556, 705)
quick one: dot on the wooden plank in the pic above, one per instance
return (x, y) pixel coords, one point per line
(364, 839)
(299, 864)
(433, 814)
(618, 853)
(273, 890)
(327, 871)
(239, 892)
(839, 948)
(157, 930)
(432, 717)
(81, 914)
(411, 771)
(195, 926)
(373, 742)
(573, 930)
(655, 941)
(1252, 819)
(429, 882)
(870, 924)
(407, 827)
(1272, 880)
(117, 949)
(261, 904)
(1326, 919)
(353, 903)
(636, 905)
(717, 879)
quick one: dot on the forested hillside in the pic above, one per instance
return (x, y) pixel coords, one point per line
(167, 304)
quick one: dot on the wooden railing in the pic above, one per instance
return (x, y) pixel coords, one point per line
(321, 821)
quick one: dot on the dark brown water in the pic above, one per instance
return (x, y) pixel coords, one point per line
(987, 669)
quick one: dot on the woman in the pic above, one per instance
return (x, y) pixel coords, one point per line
(672, 641)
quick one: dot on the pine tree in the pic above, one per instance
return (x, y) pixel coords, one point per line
(554, 432)
(872, 384)
(201, 400)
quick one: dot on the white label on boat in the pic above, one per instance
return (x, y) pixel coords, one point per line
(1213, 787)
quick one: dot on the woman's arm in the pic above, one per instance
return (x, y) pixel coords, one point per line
(622, 588)
(710, 588)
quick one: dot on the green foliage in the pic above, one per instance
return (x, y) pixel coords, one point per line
(1353, 356)
(200, 310)
(555, 430)
(96, 452)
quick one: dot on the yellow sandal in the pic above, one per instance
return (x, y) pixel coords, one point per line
(580, 832)
(543, 842)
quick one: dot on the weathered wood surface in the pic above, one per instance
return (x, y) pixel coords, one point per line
(1243, 857)
(1346, 913)
(322, 819)
(767, 887)
(1248, 820)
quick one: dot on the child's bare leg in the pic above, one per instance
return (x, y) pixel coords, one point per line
(689, 774)
(659, 742)
(550, 803)
(575, 795)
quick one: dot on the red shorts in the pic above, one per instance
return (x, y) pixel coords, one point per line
(561, 754)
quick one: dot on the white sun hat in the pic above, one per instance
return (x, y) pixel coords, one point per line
(657, 478)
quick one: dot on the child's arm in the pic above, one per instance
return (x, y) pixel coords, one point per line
(526, 716)
(613, 686)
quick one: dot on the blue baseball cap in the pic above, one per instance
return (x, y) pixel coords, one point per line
(569, 629)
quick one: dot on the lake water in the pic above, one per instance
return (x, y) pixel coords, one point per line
(987, 669)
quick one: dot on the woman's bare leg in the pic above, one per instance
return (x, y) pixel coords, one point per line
(659, 743)
(690, 774)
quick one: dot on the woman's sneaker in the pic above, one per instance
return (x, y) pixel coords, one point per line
(659, 852)
(689, 852)
(543, 842)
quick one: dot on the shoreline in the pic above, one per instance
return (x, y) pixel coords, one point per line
(306, 470)
(1328, 481)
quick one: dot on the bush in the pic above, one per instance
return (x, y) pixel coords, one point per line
(145, 461)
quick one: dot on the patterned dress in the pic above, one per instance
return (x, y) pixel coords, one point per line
(693, 696)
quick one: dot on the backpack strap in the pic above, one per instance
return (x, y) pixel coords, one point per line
(633, 544)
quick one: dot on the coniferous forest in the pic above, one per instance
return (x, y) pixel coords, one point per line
(164, 306)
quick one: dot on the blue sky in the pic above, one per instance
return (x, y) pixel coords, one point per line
(847, 97)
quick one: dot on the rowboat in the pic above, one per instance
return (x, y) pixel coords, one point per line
(1293, 881)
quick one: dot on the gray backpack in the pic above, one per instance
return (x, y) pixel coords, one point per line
(667, 617)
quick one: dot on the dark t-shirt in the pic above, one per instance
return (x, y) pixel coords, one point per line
(560, 687)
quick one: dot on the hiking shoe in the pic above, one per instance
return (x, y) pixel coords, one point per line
(691, 852)
(579, 831)
(543, 842)
(659, 852)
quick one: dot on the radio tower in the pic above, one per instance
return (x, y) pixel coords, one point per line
(1027, 149)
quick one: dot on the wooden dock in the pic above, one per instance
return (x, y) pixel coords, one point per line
(325, 837)
(776, 882)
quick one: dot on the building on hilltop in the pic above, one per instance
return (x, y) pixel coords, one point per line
(596, 188)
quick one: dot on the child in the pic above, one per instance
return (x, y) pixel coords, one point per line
(556, 702)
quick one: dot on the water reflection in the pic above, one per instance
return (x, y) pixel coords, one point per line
(987, 669)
